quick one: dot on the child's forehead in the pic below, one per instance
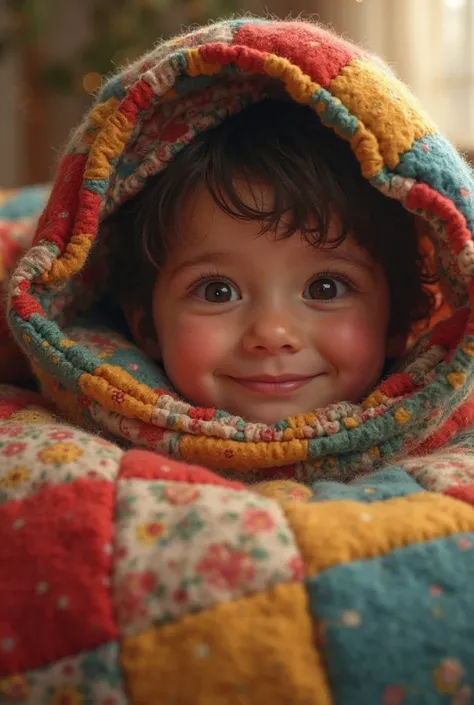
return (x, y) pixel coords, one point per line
(241, 242)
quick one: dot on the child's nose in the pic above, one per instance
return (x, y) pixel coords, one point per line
(273, 332)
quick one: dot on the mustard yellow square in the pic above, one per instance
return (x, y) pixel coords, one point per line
(259, 649)
(330, 533)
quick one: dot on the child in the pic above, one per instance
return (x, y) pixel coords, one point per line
(263, 270)
(303, 206)
(239, 269)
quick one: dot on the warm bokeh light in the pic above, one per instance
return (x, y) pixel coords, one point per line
(91, 81)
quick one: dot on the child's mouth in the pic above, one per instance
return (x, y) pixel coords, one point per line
(274, 385)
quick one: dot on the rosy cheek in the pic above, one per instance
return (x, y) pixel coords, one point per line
(195, 342)
(353, 339)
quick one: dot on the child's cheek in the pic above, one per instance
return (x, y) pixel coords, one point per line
(199, 344)
(354, 339)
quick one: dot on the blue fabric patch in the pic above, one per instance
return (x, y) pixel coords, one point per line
(432, 160)
(25, 202)
(186, 84)
(384, 484)
(335, 114)
(50, 359)
(399, 625)
(373, 431)
(112, 89)
(139, 366)
(98, 186)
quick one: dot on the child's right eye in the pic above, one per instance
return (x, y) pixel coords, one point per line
(216, 292)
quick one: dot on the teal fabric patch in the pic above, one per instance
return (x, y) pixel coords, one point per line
(433, 161)
(335, 114)
(140, 367)
(50, 359)
(25, 202)
(112, 89)
(98, 186)
(400, 625)
(185, 84)
(384, 484)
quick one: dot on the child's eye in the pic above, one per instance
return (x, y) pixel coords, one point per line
(325, 289)
(217, 292)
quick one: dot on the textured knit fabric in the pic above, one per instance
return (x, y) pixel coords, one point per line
(138, 575)
(140, 120)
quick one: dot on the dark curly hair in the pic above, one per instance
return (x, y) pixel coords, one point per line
(314, 176)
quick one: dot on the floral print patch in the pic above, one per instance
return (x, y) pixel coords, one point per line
(92, 677)
(34, 456)
(181, 548)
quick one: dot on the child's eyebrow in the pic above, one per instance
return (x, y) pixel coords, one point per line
(353, 258)
(204, 258)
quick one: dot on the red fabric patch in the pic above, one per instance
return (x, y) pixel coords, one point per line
(460, 420)
(138, 98)
(449, 332)
(318, 53)
(55, 558)
(19, 400)
(251, 60)
(88, 213)
(426, 198)
(24, 304)
(56, 221)
(397, 385)
(199, 412)
(144, 465)
(465, 494)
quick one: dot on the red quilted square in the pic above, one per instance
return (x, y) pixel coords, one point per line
(144, 465)
(318, 53)
(55, 553)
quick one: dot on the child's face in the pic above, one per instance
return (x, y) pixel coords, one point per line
(267, 328)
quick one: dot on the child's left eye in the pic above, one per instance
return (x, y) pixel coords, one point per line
(216, 291)
(325, 289)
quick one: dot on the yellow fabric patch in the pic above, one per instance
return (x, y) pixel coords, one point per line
(32, 414)
(71, 261)
(111, 399)
(283, 490)
(219, 453)
(373, 400)
(468, 348)
(350, 422)
(373, 452)
(331, 533)
(65, 401)
(197, 66)
(108, 144)
(66, 343)
(385, 107)
(367, 150)
(258, 649)
(298, 84)
(402, 416)
(457, 379)
(301, 420)
(99, 113)
(124, 381)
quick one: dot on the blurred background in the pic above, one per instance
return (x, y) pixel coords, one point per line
(54, 52)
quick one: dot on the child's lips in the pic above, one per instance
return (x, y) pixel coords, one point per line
(274, 385)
